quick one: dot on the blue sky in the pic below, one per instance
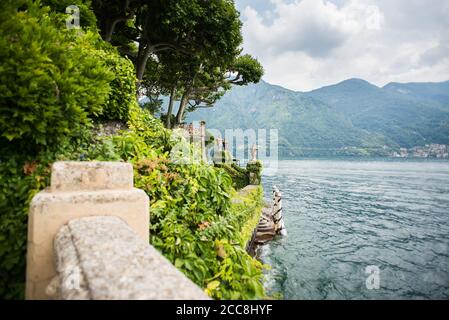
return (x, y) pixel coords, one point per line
(306, 44)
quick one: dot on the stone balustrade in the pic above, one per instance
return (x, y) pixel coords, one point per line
(88, 239)
(102, 258)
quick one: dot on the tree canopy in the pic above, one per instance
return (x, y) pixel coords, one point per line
(192, 48)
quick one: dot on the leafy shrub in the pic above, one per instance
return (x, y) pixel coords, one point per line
(254, 170)
(50, 79)
(61, 82)
(87, 16)
(194, 225)
(247, 208)
(21, 177)
(150, 129)
(122, 97)
(239, 175)
(19, 183)
(193, 221)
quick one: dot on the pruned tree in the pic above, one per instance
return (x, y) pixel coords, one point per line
(186, 49)
(208, 83)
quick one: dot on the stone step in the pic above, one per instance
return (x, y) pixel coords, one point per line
(264, 228)
(267, 227)
(262, 238)
(265, 233)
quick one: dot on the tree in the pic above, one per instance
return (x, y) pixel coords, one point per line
(111, 13)
(245, 70)
(208, 83)
(192, 48)
(184, 26)
(162, 78)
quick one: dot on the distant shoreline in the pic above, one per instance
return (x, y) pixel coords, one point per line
(352, 158)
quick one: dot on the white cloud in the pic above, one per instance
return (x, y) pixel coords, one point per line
(312, 43)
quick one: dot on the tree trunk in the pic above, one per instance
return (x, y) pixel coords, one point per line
(142, 58)
(109, 30)
(182, 107)
(170, 108)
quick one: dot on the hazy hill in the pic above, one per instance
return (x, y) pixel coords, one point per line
(352, 117)
(405, 120)
(438, 92)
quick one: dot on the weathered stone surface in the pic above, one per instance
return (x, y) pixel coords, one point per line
(91, 175)
(56, 206)
(70, 282)
(114, 263)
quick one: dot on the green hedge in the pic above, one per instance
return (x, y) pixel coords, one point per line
(254, 170)
(240, 178)
(122, 97)
(54, 83)
(51, 80)
(249, 206)
(194, 223)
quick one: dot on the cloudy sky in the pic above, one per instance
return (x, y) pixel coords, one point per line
(306, 44)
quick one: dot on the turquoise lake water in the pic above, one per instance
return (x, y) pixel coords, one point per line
(343, 216)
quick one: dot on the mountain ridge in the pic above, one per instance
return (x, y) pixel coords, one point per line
(353, 117)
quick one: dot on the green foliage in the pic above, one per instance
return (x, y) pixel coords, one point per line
(150, 129)
(193, 221)
(248, 70)
(87, 16)
(247, 206)
(52, 85)
(50, 79)
(240, 178)
(254, 170)
(21, 177)
(122, 97)
(16, 192)
(153, 106)
(55, 82)
(194, 226)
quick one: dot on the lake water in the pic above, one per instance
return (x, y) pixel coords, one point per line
(344, 216)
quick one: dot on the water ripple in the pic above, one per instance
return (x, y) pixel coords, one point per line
(343, 216)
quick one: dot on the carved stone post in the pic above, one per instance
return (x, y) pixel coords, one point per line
(278, 219)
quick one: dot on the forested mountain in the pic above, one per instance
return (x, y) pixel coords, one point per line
(353, 117)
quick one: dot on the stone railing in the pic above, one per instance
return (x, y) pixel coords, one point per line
(88, 239)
